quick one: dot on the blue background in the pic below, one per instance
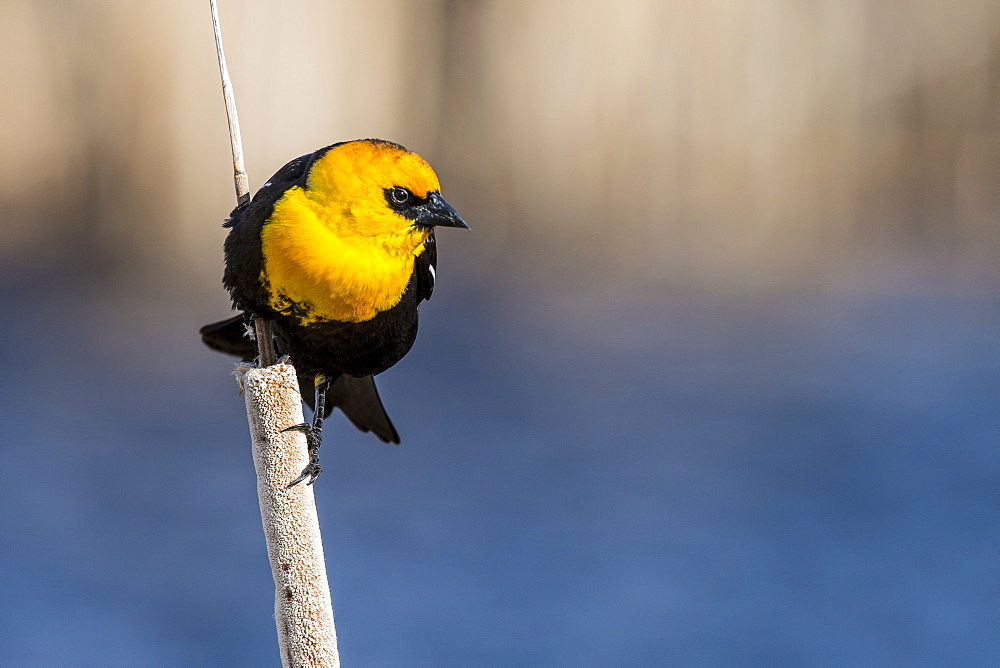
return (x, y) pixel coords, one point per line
(675, 478)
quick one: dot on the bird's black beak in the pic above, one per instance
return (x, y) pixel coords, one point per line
(437, 213)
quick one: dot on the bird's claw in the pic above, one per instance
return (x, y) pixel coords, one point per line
(310, 473)
(313, 435)
(313, 439)
(304, 427)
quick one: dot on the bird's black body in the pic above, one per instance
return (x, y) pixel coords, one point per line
(346, 355)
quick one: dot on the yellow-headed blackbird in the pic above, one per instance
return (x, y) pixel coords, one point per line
(338, 249)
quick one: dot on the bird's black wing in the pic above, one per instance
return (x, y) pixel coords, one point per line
(244, 260)
(244, 257)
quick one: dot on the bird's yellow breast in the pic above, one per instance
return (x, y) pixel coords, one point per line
(311, 263)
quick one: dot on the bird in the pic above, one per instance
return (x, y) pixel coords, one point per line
(338, 250)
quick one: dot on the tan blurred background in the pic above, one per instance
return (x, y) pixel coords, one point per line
(713, 141)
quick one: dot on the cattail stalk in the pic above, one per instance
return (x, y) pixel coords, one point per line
(303, 612)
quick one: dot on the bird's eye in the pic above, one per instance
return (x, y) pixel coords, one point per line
(399, 195)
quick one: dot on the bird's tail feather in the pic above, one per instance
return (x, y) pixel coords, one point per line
(229, 336)
(358, 398)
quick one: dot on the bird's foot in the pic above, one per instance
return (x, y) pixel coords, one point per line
(314, 436)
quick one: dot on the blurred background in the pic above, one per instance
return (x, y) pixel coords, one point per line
(714, 378)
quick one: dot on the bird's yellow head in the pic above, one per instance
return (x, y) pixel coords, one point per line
(377, 188)
(343, 247)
